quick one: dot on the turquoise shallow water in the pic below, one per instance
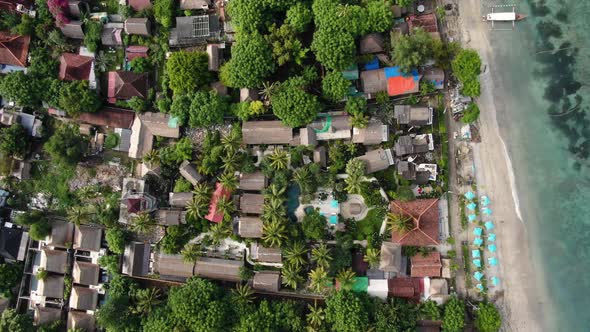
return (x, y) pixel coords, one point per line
(544, 68)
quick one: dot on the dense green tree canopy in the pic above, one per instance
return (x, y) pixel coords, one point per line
(286, 47)
(397, 315)
(187, 71)
(92, 36)
(454, 315)
(314, 225)
(347, 311)
(75, 97)
(13, 140)
(11, 321)
(66, 145)
(293, 105)
(200, 109)
(335, 86)
(10, 275)
(251, 62)
(21, 89)
(247, 15)
(299, 16)
(42, 65)
(164, 12)
(116, 240)
(488, 318)
(471, 114)
(466, 65)
(334, 48)
(207, 310)
(412, 50)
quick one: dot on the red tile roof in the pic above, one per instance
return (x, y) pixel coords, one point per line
(138, 5)
(409, 288)
(424, 214)
(136, 52)
(134, 205)
(74, 67)
(214, 215)
(14, 49)
(429, 266)
(113, 117)
(426, 22)
(125, 84)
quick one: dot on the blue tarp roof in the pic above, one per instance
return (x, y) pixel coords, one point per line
(373, 64)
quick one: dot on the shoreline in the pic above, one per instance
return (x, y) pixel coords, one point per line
(523, 289)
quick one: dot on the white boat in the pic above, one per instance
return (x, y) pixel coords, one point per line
(504, 17)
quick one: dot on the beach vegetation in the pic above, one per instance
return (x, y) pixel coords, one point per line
(487, 318)
(454, 315)
(471, 114)
(466, 65)
(412, 50)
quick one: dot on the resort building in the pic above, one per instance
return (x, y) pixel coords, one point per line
(406, 145)
(256, 181)
(136, 259)
(266, 255)
(414, 116)
(251, 203)
(266, 132)
(81, 321)
(191, 30)
(250, 227)
(73, 29)
(377, 160)
(135, 200)
(124, 85)
(423, 215)
(145, 127)
(180, 200)
(74, 67)
(375, 133)
(170, 217)
(189, 173)
(269, 281)
(137, 26)
(214, 214)
(426, 266)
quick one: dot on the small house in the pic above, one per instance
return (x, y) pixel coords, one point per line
(111, 34)
(73, 30)
(123, 85)
(218, 269)
(77, 8)
(85, 273)
(78, 320)
(14, 49)
(51, 287)
(247, 94)
(180, 200)
(266, 132)
(424, 216)
(250, 227)
(45, 315)
(83, 298)
(173, 267)
(377, 160)
(256, 181)
(374, 133)
(75, 67)
(189, 172)
(213, 51)
(319, 156)
(13, 244)
(62, 234)
(87, 238)
(372, 43)
(139, 5)
(391, 80)
(426, 266)
(137, 26)
(404, 287)
(53, 260)
(145, 127)
(215, 215)
(264, 254)
(170, 217)
(436, 76)
(110, 117)
(195, 4)
(136, 51)
(251, 203)
(269, 281)
(406, 145)
(191, 30)
(409, 171)
(136, 259)
(391, 258)
(414, 116)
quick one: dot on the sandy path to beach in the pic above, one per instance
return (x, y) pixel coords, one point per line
(522, 300)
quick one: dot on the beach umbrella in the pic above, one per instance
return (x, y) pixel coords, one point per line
(492, 248)
(495, 281)
(477, 231)
(477, 242)
(480, 287)
(486, 211)
(493, 261)
(471, 217)
(471, 206)
(489, 225)
(478, 275)
(475, 253)
(485, 201)
(477, 262)
(469, 195)
(491, 237)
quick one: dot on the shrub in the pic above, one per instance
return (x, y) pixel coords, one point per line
(111, 141)
(488, 318)
(39, 230)
(335, 86)
(92, 36)
(116, 240)
(471, 114)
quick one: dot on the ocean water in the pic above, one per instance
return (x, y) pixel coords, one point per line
(543, 66)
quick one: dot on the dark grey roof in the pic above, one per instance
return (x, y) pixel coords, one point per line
(13, 244)
(413, 116)
(189, 172)
(267, 281)
(73, 30)
(136, 259)
(137, 26)
(220, 269)
(194, 29)
(408, 145)
(112, 35)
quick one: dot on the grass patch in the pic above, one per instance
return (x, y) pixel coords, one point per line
(371, 224)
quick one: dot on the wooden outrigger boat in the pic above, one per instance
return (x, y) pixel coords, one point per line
(504, 17)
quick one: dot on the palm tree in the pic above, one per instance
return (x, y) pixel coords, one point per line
(315, 317)
(228, 180)
(267, 90)
(146, 300)
(143, 223)
(303, 177)
(191, 252)
(399, 222)
(274, 210)
(372, 256)
(86, 193)
(321, 256)
(196, 209)
(318, 279)
(78, 215)
(274, 233)
(226, 207)
(219, 232)
(274, 192)
(202, 192)
(359, 120)
(279, 159)
(346, 278)
(243, 294)
(232, 141)
(290, 276)
(231, 161)
(295, 254)
(152, 158)
(356, 172)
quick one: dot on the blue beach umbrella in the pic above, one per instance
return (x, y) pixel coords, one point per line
(495, 281)
(471, 217)
(478, 241)
(491, 237)
(475, 253)
(489, 225)
(471, 206)
(469, 195)
(486, 211)
(478, 275)
(477, 262)
(492, 248)
(485, 201)
(480, 287)
(493, 261)
(477, 231)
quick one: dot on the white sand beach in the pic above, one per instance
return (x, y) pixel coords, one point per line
(523, 295)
